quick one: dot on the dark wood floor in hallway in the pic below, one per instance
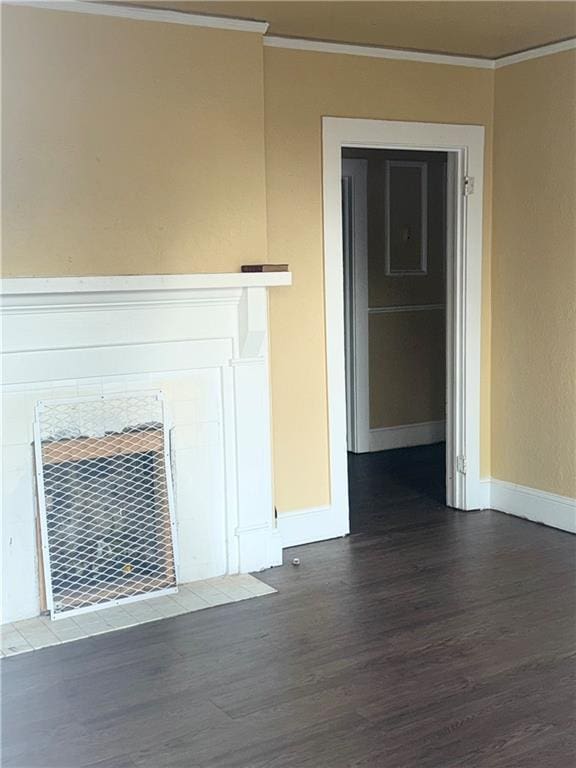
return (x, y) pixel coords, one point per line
(435, 639)
(388, 488)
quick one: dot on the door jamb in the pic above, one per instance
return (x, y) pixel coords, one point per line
(355, 230)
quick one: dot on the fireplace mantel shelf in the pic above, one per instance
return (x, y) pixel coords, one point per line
(19, 286)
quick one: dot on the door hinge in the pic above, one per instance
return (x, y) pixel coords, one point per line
(461, 464)
(468, 188)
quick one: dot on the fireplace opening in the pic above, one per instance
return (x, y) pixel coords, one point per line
(105, 503)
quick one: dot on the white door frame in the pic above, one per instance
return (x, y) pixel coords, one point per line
(465, 145)
(355, 255)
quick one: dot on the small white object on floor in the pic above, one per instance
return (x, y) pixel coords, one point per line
(42, 632)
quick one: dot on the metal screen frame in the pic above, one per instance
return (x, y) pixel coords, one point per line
(42, 507)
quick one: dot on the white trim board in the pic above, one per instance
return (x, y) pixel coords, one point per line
(407, 435)
(320, 523)
(355, 234)
(148, 14)
(535, 53)
(374, 52)
(531, 504)
(305, 526)
(14, 286)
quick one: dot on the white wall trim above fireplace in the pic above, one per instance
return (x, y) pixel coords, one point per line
(92, 284)
(62, 293)
(203, 341)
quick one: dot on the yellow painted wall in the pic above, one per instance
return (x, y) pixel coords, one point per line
(534, 275)
(129, 147)
(407, 368)
(300, 88)
(135, 147)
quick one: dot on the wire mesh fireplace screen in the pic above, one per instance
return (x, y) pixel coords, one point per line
(105, 501)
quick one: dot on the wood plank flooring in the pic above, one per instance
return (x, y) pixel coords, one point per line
(434, 639)
(387, 487)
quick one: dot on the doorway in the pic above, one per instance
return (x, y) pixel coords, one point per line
(394, 241)
(464, 147)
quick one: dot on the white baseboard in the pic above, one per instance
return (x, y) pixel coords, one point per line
(539, 506)
(485, 493)
(308, 525)
(407, 435)
(321, 523)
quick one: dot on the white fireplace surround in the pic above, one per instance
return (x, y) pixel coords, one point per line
(200, 339)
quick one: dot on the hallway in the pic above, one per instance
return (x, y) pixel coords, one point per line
(396, 489)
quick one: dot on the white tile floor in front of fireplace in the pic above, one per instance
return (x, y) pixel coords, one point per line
(41, 632)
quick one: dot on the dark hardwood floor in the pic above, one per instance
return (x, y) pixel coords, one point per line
(435, 639)
(390, 486)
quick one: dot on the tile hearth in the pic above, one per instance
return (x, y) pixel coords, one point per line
(42, 632)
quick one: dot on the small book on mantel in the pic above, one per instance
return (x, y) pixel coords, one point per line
(264, 267)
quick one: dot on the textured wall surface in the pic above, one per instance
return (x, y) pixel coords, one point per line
(300, 88)
(129, 147)
(407, 368)
(534, 275)
(132, 147)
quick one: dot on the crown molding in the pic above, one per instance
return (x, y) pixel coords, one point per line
(147, 14)
(301, 44)
(292, 43)
(535, 53)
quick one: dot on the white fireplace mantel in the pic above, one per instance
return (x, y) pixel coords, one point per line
(21, 286)
(200, 339)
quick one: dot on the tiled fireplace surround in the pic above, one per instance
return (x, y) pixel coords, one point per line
(200, 339)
